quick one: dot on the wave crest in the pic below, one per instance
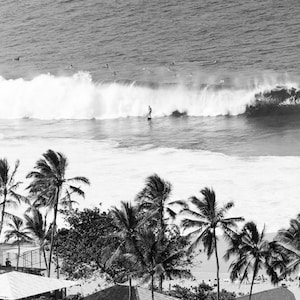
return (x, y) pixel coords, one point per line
(278, 100)
(78, 97)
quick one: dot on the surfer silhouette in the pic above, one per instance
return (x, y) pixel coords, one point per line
(149, 112)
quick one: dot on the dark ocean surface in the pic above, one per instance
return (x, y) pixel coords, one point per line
(218, 37)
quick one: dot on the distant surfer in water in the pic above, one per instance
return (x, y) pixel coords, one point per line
(149, 112)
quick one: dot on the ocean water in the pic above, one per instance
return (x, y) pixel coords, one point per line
(222, 79)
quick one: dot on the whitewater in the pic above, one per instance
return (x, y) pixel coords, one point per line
(49, 97)
(222, 79)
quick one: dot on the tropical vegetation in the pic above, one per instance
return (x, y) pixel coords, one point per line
(18, 233)
(152, 239)
(203, 222)
(50, 187)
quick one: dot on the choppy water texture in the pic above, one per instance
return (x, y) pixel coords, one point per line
(215, 36)
(222, 78)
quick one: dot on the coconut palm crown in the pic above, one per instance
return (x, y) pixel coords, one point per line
(253, 252)
(8, 187)
(50, 187)
(39, 230)
(203, 222)
(289, 240)
(152, 200)
(18, 232)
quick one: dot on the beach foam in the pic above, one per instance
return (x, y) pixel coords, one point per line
(264, 189)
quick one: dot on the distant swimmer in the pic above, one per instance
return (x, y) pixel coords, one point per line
(106, 66)
(149, 112)
(70, 67)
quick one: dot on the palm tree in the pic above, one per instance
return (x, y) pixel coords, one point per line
(291, 236)
(51, 186)
(171, 259)
(152, 199)
(204, 222)
(37, 226)
(150, 247)
(289, 240)
(162, 258)
(253, 252)
(18, 232)
(127, 222)
(8, 188)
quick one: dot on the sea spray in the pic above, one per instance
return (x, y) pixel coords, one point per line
(78, 97)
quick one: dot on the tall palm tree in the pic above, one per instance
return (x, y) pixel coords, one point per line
(152, 199)
(50, 185)
(204, 222)
(8, 188)
(253, 252)
(38, 228)
(152, 204)
(18, 232)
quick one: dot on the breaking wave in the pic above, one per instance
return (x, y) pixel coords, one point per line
(78, 97)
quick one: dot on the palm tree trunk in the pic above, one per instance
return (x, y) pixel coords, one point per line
(252, 281)
(162, 227)
(2, 213)
(57, 264)
(53, 231)
(152, 286)
(129, 292)
(18, 257)
(45, 258)
(218, 265)
(160, 282)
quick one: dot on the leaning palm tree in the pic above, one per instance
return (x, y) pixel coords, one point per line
(18, 232)
(40, 231)
(8, 187)
(204, 222)
(253, 252)
(50, 186)
(152, 200)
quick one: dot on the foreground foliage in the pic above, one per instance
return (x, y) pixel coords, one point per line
(200, 292)
(50, 187)
(139, 240)
(86, 246)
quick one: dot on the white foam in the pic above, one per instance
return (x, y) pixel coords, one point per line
(78, 97)
(264, 189)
